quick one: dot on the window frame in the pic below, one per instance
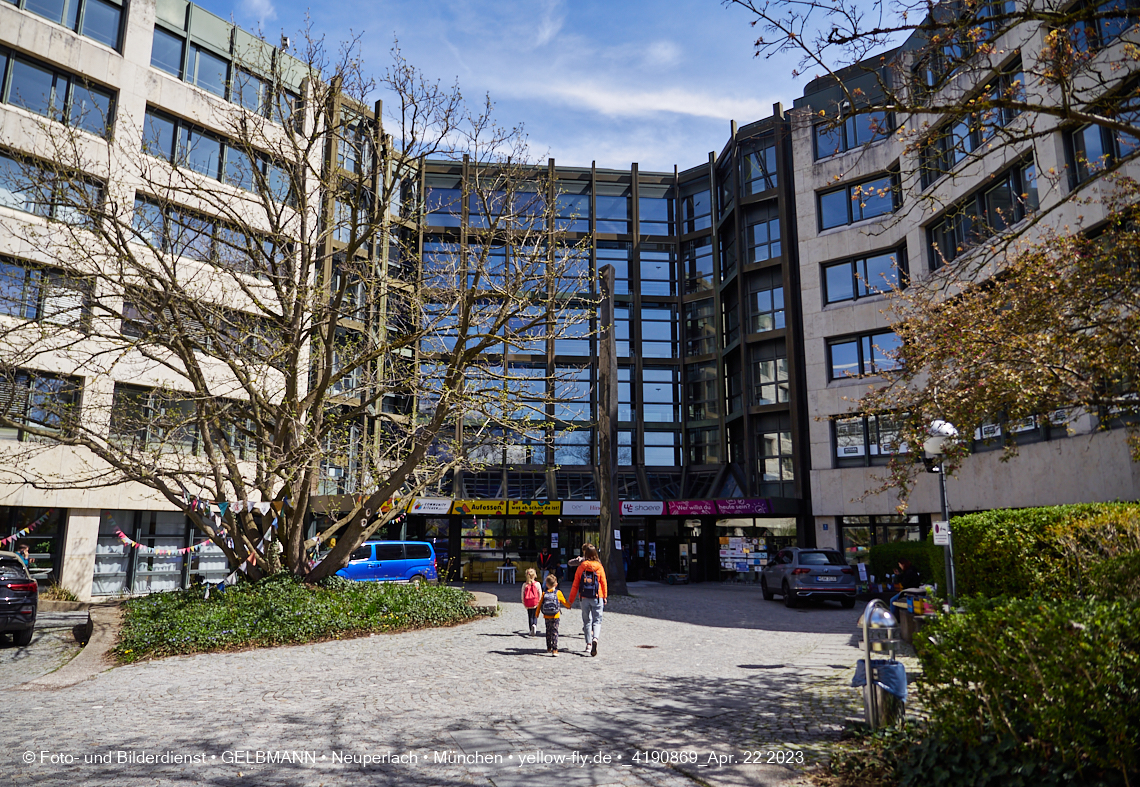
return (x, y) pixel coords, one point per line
(865, 345)
(10, 390)
(849, 192)
(846, 128)
(860, 288)
(964, 222)
(74, 17)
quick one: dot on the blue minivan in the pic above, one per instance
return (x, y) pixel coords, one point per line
(391, 561)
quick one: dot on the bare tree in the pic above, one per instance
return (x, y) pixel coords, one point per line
(1029, 315)
(233, 310)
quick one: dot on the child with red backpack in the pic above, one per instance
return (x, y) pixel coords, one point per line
(531, 596)
(552, 603)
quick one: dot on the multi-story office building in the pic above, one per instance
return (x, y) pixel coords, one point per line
(749, 291)
(108, 76)
(706, 322)
(876, 214)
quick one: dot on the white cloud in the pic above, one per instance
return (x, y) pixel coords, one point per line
(630, 102)
(661, 54)
(261, 10)
(550, 24)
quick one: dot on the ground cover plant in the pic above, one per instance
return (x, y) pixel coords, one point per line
(280, 610)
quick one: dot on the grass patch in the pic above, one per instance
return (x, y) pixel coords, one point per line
(57, 592)
(280, 610)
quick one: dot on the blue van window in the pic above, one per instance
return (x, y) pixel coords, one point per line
(361, 553)
(389, 552)
(418, 551)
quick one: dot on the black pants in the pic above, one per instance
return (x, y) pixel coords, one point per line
(532, 616)
(552, 633)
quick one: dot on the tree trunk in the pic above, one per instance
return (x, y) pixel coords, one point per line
(609, 518)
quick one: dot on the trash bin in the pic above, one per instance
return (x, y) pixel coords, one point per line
(884, 699)
(884, 694)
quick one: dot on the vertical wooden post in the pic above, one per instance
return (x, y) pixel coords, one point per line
(609, 517)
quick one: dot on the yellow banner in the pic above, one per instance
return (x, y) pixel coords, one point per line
(480, 507)
(535, 507)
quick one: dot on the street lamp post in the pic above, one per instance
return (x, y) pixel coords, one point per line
(942, 433)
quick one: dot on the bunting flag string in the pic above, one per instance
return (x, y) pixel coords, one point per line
(160, 551)
(15, 536)
(243, 567)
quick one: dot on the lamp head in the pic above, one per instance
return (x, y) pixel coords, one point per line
(941, 434)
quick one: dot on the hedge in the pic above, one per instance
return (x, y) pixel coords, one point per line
(1061, 678)
(923, 554)
(1048, 551)
(280, 610)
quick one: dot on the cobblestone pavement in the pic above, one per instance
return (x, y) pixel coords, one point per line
(684, 673)
(53, 645)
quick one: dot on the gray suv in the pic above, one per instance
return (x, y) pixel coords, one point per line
(797, 573)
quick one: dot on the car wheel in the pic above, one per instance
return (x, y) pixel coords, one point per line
(768, 594)
(23, 638)
(848, 603)
(790, 601)
(417, 580)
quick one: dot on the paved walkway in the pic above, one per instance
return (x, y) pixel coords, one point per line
(53, 645)
(686, 677)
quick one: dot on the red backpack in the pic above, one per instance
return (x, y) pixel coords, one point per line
(531, 595)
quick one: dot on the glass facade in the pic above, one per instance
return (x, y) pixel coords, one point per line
(703, 346)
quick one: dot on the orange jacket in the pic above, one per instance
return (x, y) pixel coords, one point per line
(596, 567)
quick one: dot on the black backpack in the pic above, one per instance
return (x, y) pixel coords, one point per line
(550, 603)
(588, 586)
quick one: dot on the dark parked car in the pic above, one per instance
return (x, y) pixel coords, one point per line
(19, 598)
(809, 573)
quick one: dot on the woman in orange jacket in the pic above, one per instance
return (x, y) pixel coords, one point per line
(590, 586)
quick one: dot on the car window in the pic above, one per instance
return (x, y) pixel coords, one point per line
(389, 552)
(362, 553)
(418, 551)
(821, 559)
(12, 569)
(784, 557)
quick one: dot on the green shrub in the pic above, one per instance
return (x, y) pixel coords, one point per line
(917, 755)
(280, 609)
(1031, 551)
(1059, 678)
(923, 554)
(1101, 553)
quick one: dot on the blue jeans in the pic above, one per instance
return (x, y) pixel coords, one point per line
(591, 618)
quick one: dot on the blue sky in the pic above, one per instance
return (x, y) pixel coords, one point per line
(617, 82)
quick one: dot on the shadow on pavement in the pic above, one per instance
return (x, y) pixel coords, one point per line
(792, 711)
(706, 604)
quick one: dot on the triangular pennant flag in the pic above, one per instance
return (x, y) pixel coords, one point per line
(276, 505)
(263, 508)
(222, 507)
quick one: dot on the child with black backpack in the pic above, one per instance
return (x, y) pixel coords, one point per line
(590, 586)
(552, 603)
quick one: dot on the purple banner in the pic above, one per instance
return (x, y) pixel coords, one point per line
(691, 508)
(740, 506)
